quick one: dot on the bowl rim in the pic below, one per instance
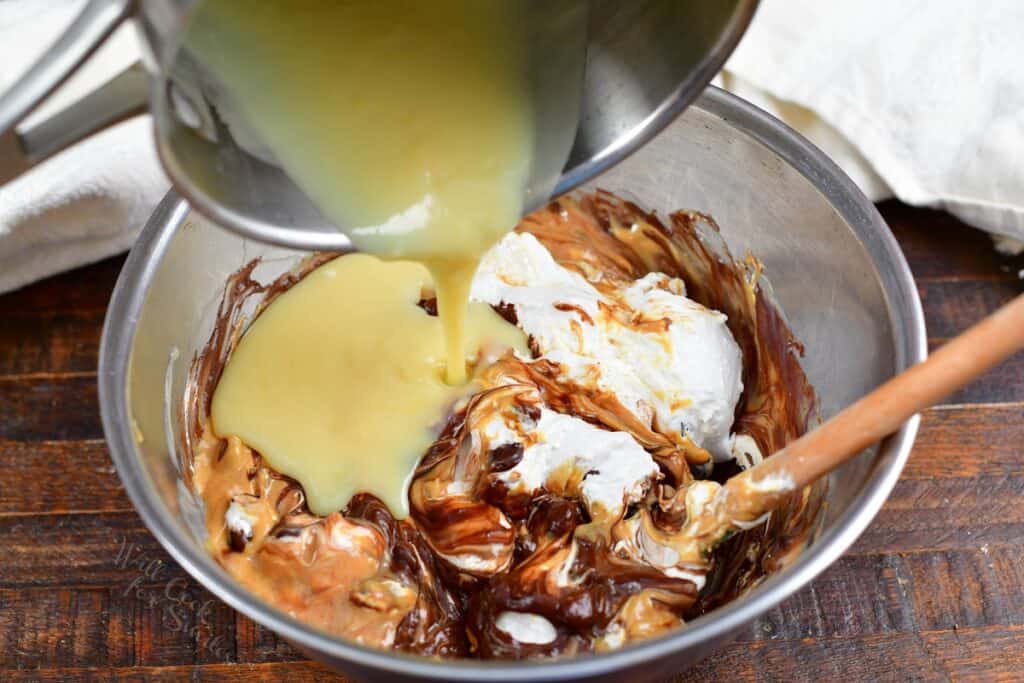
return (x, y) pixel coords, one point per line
(907, 322)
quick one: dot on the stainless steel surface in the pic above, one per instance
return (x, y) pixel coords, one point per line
(120, 98)
(835, 267)
(21, 150)
(645, 61)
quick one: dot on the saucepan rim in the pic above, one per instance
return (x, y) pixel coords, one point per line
(908, 328)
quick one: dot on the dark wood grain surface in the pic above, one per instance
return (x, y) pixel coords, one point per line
(934, 590)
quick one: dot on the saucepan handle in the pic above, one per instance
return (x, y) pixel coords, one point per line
(123, 96)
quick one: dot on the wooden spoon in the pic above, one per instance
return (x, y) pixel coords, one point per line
(761, 488)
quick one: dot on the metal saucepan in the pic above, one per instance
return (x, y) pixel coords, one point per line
(836, 270)
(645, 61)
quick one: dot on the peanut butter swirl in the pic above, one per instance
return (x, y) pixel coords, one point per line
(481, 554)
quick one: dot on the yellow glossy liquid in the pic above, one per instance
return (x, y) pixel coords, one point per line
(408, 122)
(339, 383)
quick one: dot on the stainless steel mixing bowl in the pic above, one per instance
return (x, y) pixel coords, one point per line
(835, 267)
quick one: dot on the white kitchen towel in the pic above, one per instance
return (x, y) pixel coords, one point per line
(921, 99)
(89, 201)
(918, 99)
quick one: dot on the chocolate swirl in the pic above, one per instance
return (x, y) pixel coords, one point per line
(473, 549)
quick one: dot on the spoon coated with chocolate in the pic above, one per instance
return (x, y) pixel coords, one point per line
(747, 496)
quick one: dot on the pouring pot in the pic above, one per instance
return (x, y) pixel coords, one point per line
(645, 61)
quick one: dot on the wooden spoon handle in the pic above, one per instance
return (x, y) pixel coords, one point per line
(878, 414)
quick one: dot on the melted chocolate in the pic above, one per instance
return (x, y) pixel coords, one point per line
(428, 304)
(436, 583)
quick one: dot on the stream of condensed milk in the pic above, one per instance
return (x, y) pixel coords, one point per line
(409, 124)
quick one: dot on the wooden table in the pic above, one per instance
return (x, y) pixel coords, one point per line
(933, 590)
